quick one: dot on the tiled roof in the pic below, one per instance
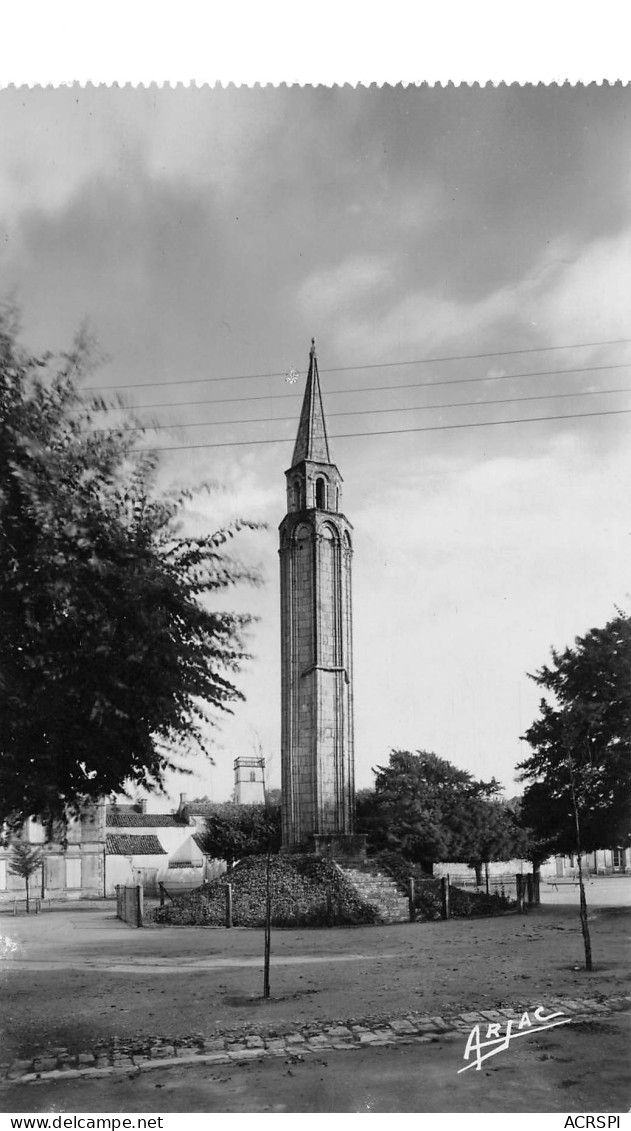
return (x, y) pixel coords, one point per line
(144, 820)
(202, 808)
(186, 864)
(122, 845)
(199, 838)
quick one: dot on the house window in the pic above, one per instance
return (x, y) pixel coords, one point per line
(252, 775)
(35, 833)
(320, 494)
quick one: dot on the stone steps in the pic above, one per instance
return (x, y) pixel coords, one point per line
(380, 890)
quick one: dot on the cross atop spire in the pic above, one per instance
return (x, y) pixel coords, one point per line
(312, 441)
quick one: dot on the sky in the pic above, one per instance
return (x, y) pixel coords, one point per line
(206, 235)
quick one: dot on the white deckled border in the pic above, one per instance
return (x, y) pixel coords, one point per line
(335, 41)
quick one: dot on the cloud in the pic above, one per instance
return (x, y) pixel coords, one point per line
(358, 281)
(49, 148)
(590, 292)
(420, 322)
(562, 502)
(246, 495)
(56, 141)
(572, 293)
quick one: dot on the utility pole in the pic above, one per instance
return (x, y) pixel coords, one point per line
(268, 891)
(577, 826)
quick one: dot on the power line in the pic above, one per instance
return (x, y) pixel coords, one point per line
(374, 365)
(374, 411)
(395, 431)
(385, 388)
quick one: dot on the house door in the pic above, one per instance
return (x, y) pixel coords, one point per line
(618, 859)
(148, 879)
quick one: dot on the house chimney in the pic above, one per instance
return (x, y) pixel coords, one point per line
(183, 810)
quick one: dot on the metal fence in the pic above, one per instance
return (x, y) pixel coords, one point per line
(504, 884)
(15, 905)
(514, 886)
(129, 904)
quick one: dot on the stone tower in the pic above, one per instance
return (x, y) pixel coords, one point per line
(318, 789)
(249, 781)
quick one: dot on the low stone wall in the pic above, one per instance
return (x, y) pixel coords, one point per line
(255, 1043)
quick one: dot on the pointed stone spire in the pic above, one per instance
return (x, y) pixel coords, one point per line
(312, 442)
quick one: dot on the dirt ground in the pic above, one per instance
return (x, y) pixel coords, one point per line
(73, 977)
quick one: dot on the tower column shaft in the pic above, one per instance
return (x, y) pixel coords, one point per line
(317, 706)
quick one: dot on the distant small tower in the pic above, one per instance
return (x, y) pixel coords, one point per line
(249, 781)
(318, 786)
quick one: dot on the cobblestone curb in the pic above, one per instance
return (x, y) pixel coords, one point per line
(413, 1028)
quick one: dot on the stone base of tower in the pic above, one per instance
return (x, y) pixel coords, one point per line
(338, 846)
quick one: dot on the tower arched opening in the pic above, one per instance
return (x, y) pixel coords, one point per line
(320, 493)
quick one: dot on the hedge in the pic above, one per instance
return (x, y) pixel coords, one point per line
(427, 891)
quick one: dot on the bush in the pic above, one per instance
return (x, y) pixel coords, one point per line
(306, 892)
(427, 892)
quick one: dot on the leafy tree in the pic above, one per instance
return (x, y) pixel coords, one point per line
(531, 846)
(371, 819)
(492, 833)
(24, 862)
(429, 810)
(582, 745)
(234, 831)
(113, 655)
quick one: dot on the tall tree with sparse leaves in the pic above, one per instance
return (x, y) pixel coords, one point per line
(579, 796)
(114, 655)
(24, 862)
